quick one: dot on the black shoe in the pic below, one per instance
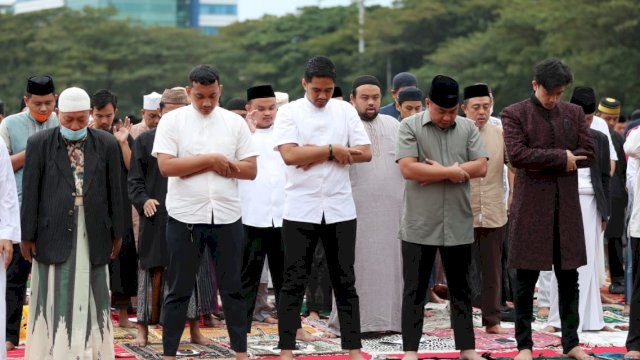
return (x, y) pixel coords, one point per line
(616, 289)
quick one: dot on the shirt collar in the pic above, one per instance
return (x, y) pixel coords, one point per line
(426, 119)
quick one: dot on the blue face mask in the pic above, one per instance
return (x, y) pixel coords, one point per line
(73, 135)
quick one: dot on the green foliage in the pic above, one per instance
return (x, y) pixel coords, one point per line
(492, 41)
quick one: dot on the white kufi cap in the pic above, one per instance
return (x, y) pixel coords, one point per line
(151, 101)
(281, 98)
(74, 99)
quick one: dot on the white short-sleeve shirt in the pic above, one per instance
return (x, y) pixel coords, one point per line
(263, 198)
(324, 189)
(206, 198)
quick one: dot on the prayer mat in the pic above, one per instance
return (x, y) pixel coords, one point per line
(267, 345)
(392, 344)
(595, 339)
(611, 317)
(486, 341)
(154, 351)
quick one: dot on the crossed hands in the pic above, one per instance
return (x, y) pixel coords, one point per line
(456, 174)
(341, 154)
(572, 161)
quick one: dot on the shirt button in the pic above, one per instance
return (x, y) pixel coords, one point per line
(69, 229)
(70, 212)
(73, 194)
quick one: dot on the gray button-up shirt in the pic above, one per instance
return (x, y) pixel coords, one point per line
(438, 214)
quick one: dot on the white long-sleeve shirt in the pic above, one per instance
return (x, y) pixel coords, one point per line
(9, 206)
(632, 148)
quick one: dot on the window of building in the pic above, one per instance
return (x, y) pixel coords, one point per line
(218, 9)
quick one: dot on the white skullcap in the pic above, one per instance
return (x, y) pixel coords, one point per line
(281, 98)
(151, 101)
(74, 99)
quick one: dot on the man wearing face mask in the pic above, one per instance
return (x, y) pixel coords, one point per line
(40, 99)
(72, 222)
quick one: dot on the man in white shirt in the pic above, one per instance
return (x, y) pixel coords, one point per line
(9, 231)
(318, 138)
(262, 202)
(204, 149)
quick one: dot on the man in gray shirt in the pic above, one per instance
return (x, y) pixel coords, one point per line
(438, 152)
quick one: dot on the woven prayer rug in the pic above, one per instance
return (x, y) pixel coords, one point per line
(154, 351)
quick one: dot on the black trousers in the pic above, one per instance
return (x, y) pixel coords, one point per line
(17, 275)
(261, 243)
(186, 243)
(417, 262)
(489, 243)
(339, 242)
(614, 250)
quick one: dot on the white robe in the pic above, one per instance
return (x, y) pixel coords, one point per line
(9, 229)
(378, 189)
(590, 304)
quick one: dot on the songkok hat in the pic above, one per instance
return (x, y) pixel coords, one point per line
(281, 98)
(635, 115)
(404, 79)
(477, 90)
(151, 101)
(609, 106)
(260, 91)
(235, 104)
(584, 97)
(74, 99)
(365, 80)
(444, 91)
(410, 94)
(337, 92)
(174, 96)
(40, 85)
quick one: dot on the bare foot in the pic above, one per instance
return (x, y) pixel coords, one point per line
(327, 335)
(607, 328)
(142, 337)
(543, 312)
(577, 354)
(10, 346)
(524, 354)
(470, 354)
(313, 315)
(286, 354)
(270, 320)
(303, 335)
(123, 319)
(632, 355)
(355, 354)
(495, 329)
(428, 313)
(626, 310)
(242, 356)
(410, 355)
(196, 335)
(551, 329)
(607, 300)
(434, 298)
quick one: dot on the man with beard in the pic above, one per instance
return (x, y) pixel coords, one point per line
(40, 100)
(438, 152)
(104, 106)
(378, 264)
(318, 137)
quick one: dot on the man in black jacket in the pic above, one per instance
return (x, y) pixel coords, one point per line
(72, 220)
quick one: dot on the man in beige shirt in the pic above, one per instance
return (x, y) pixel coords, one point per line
(487, 204)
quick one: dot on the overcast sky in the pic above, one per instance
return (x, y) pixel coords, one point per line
(255, 9)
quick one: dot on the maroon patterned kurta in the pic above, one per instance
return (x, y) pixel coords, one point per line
(537, 140)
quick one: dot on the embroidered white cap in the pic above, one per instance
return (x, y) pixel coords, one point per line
(151, 101)
(74, 99)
